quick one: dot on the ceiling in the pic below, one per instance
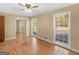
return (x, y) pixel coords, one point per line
(13, 8)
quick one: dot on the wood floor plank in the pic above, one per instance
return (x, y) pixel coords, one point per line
(31, 46)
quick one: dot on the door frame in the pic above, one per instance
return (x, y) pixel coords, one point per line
(27, 20)
(24, 25)
(31, 26)
(69, 30)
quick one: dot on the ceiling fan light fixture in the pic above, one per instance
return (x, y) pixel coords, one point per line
(28, 7)
(28, 10)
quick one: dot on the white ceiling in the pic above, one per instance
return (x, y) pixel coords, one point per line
(13, 8)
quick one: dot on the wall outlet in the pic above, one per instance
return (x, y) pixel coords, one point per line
(45, 37)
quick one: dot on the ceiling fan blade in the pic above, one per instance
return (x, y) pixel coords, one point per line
(35, 6)
(21, 4)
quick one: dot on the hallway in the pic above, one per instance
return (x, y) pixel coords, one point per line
(32, 46)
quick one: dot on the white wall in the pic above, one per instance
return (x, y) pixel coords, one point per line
(9, 26)
(28, 27)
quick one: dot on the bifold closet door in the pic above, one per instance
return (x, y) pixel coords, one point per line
(1, 28)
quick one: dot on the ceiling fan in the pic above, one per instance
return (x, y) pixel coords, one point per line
(27, 6)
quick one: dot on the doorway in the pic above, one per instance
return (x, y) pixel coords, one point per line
(21, 27)
(62, 29)
(34, 27)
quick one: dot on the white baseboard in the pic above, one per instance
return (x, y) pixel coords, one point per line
(10, 38)
(74, 50)
(44, 40)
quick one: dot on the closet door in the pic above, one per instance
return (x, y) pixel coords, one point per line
(1, 28)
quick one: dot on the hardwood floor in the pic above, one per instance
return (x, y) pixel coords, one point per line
(32, 46)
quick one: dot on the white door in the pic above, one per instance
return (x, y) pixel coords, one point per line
(62, 29)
